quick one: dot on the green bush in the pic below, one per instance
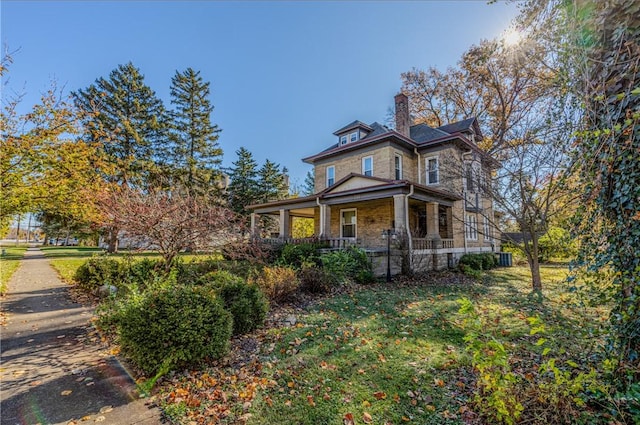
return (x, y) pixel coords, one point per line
(478, 262)
(346, 264)
(219, 278)
(365, 276)
(246, 303)
(98, 271)
(473, 261)
(297, 256)
(194, 270)
(173, 327)
(316, 280)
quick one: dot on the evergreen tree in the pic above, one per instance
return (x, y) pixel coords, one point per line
(272, 183)
(243, 189)
(194, 154)
(309, 187)
(123, 115)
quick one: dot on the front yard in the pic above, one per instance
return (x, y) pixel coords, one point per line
(385, 354)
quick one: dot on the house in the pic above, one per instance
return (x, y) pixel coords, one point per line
(423, 184)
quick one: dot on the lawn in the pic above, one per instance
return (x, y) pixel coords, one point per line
(385, 354)
(9, 263)
(66, 260)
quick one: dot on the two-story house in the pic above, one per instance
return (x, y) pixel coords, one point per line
(420, 182)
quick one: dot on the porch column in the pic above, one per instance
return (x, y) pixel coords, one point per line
(433, 224)
(255, 218)
(325, 212)
(399, 212)
(285, 223)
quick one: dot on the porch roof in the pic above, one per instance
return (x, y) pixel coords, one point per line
(377, 188)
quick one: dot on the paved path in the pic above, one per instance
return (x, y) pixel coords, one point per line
(53, 369)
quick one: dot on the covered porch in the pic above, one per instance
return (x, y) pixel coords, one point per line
(420, 219)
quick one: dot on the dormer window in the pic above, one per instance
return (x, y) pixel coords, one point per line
(353, 137)
(343, 140)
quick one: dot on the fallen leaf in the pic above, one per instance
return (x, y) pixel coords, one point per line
(85, 418)
(379, 395)
(66, 392)
(347, 419)
(310, 401)
(100, 419)
(366, 418)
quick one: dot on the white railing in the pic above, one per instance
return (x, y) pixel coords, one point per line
(424, 243)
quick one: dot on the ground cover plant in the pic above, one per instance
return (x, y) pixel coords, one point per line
(403, 353)
(9, 263)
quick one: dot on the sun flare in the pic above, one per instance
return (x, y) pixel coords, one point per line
(512, 37)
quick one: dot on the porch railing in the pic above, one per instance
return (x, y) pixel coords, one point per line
(329, 242)
(423, 243)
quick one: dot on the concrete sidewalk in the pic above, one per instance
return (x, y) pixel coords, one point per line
(52, 369)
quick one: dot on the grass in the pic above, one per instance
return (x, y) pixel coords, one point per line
(66, 260)
(9, 264)
(386, 354)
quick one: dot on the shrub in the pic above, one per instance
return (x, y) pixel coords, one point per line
(192, 271)
(173, 327)
(98, 271)
(246, 303)
(364, 277)
(488, 261)
(217, 279)
(316, 280)
(277, 283)
(297, 256)
(346, 264)
(473, 261)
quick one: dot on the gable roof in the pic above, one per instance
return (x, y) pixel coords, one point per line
(422, 133)
(351, 126)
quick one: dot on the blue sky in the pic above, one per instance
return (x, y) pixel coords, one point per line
(284, 75)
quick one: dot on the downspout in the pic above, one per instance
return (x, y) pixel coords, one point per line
(415, 150)
(464, 203)
(408, 228)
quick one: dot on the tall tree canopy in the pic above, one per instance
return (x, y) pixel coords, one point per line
(194, 154)
(123, 116)
(243, 189)
(42, 168)
(500, 85)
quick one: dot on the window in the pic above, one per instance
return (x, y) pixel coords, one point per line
(353, 137)
(331, 175)
(343, 140)
(398, 167)
(474, 177)
(367, 166)
(487, 230)
(471, 228)
(348, 220)
(432, 171)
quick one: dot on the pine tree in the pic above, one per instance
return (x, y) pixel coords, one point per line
(194, 155)
(243, 189)
(309, 187)
(124, 116)
(272, 183)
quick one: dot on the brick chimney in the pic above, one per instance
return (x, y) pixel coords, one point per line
(403, 122)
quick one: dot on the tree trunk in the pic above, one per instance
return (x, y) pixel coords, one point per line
(113, 241)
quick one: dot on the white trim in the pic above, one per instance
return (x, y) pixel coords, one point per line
(352, 138)
(395, 169)
(333, 167)
(355, 225)
(343, 140)
(364, 171)
(471, 228)
(428, 171)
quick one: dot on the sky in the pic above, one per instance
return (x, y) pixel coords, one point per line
(284, 75)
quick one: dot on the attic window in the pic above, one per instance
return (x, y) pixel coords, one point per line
(343, 140)
(353, 137)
